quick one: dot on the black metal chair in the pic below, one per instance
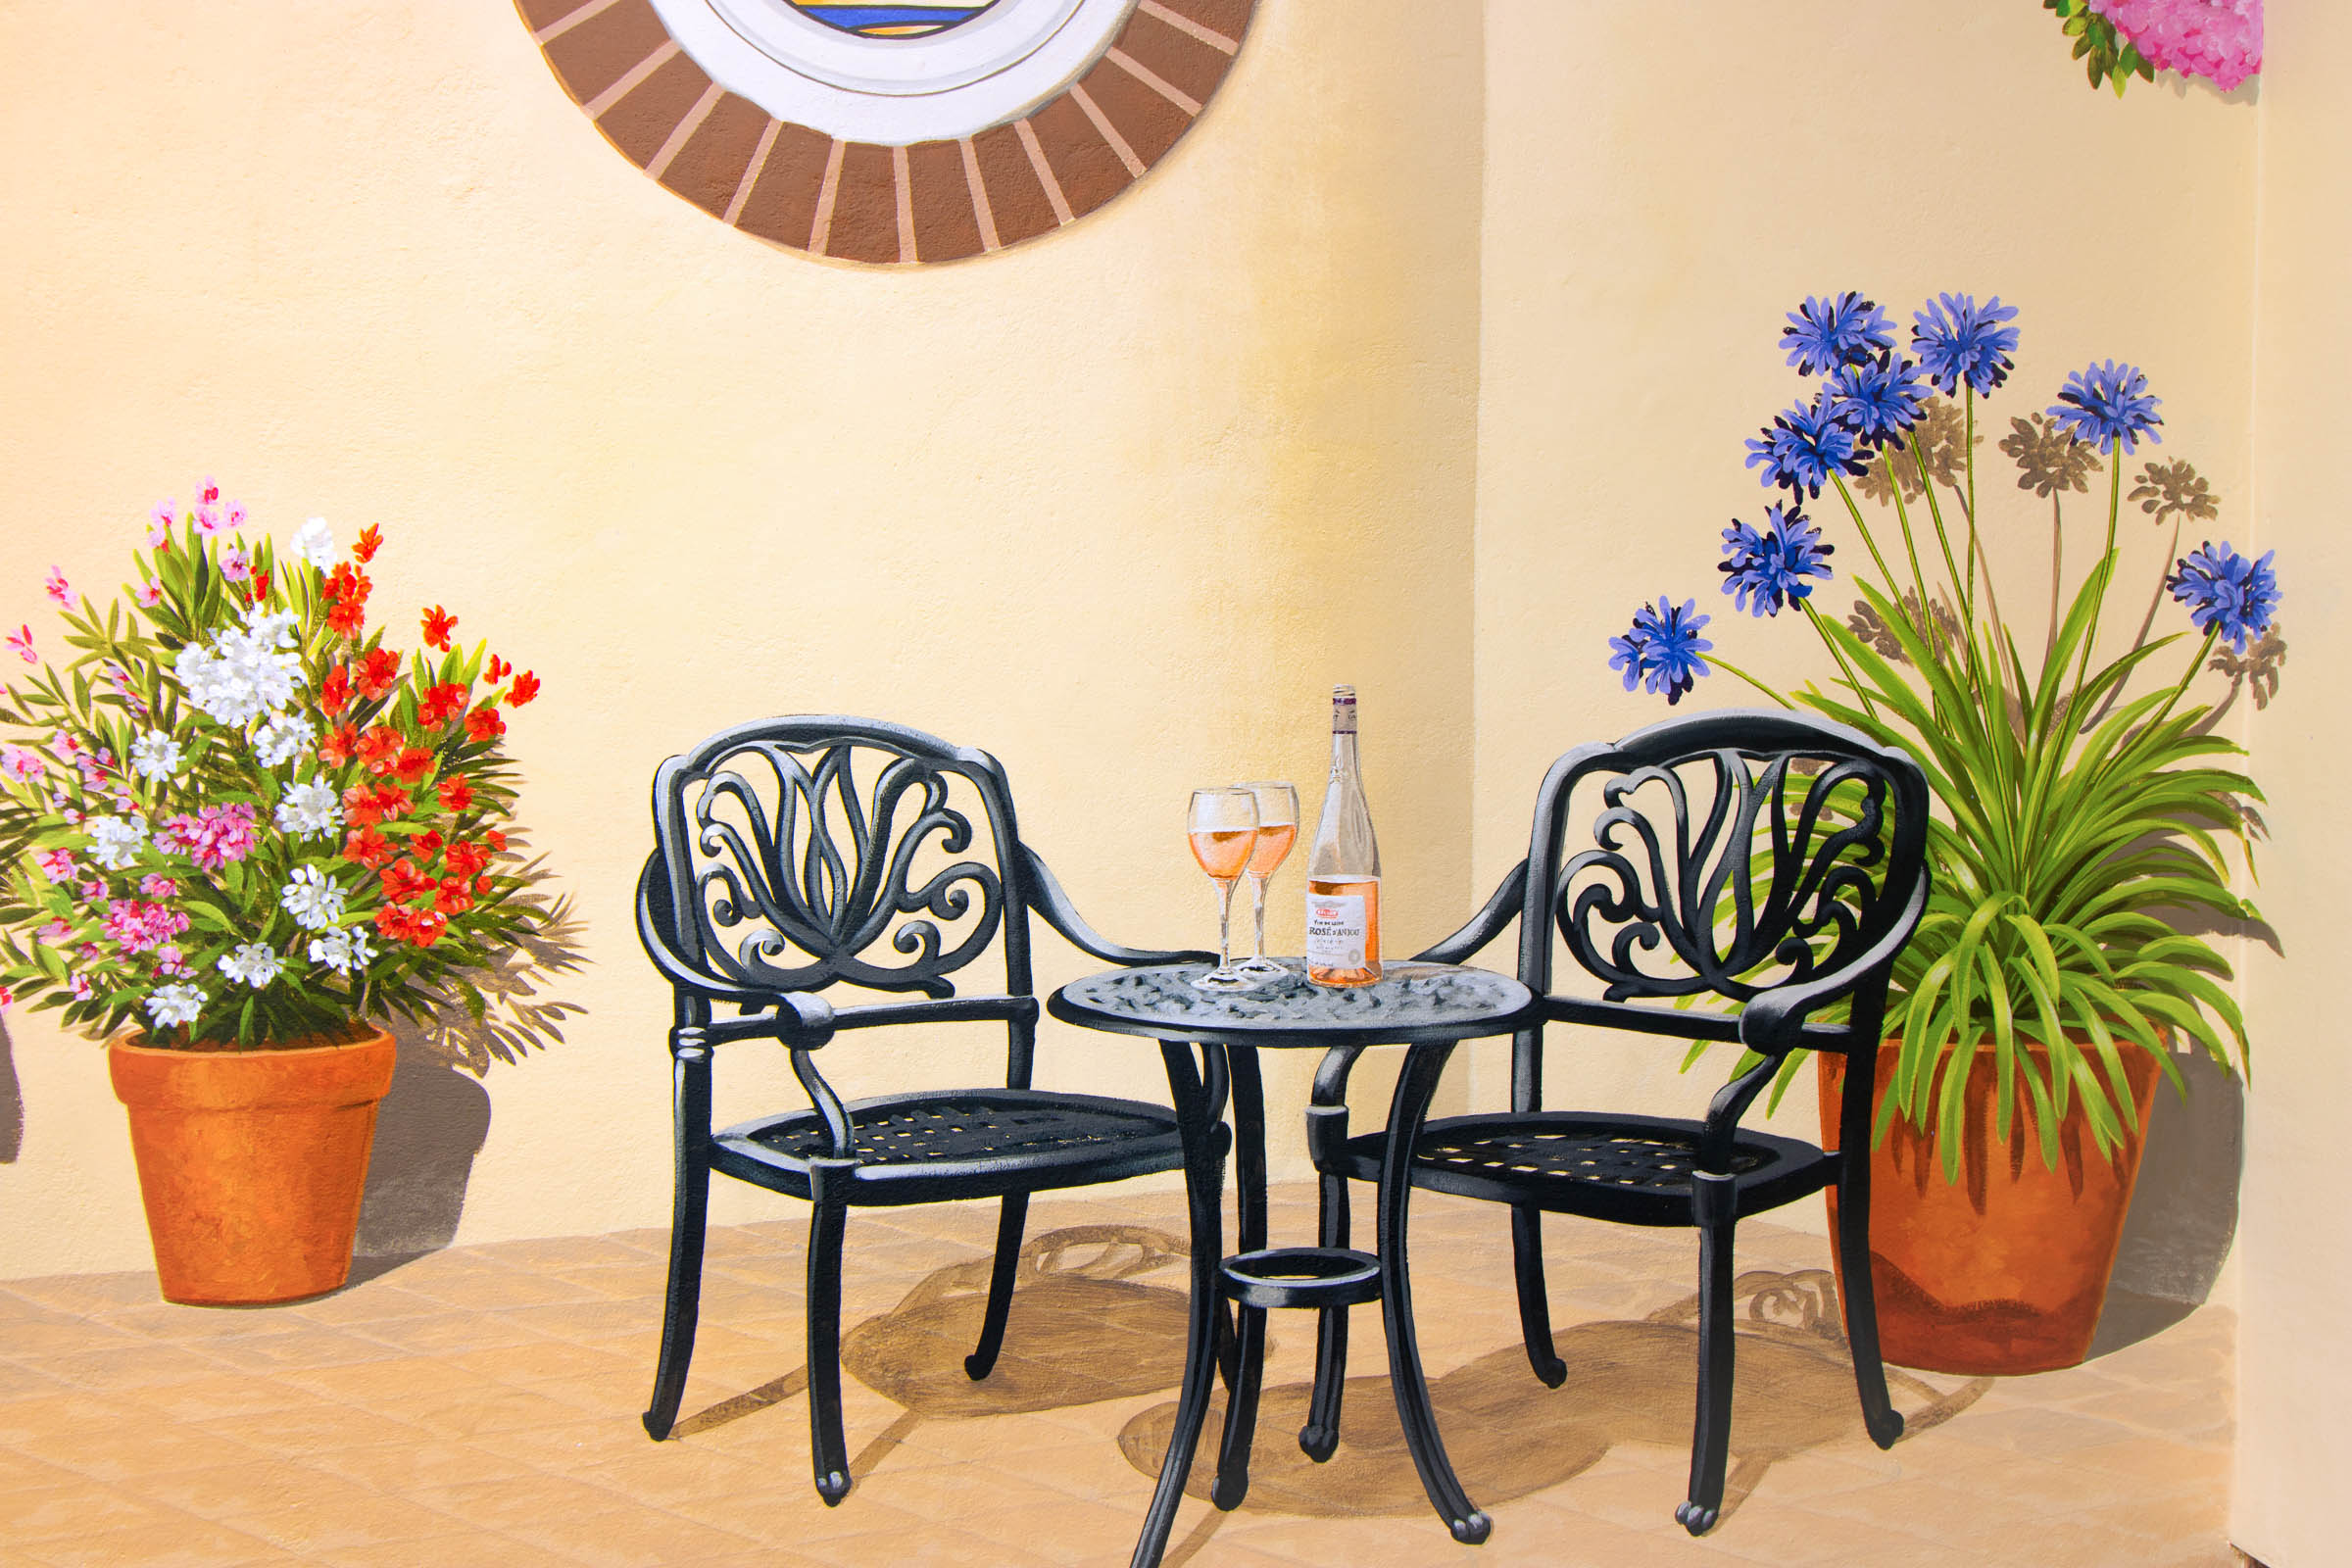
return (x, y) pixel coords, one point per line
(794, 854)
(1788, 897)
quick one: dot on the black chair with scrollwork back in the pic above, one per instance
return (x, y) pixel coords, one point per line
(795, 855)
(1751, 877)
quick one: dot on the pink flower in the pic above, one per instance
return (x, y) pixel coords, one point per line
(22, 641)
(210, 490)
(92, 891)
(60, 591)
(56, 933)
(8, 999)
(208, 520)
(57, 864)
(214, 836)
(20, 762)
(2219, 39)
(150, 594)
(82, 989)
(159, 520)
(236, 514)
(235, 565)
(156, 885)
(140, 926)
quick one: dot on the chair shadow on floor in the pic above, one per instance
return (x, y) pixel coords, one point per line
(1509, 1436)
(1080, 1330)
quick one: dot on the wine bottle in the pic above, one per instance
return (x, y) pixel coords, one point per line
(1343, 868)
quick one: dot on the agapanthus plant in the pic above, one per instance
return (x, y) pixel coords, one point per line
(2078, 841)
(233, 818)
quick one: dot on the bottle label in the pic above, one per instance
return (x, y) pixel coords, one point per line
(1335, 930)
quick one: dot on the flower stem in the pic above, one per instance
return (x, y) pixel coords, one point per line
(2057, 572)
(1725, 664)
(1856, 513)
(2106, 569)
(1851, 679)
(2149, 619)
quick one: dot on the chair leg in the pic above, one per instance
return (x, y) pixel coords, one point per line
(1534, 1309)
(681, 1306)
(826, 1450)
(1711, 1432)
(1320, 1436)
(1880, 1417)
(1010, 1220)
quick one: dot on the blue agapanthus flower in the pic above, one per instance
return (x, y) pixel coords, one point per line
(2108, 403)
(2224, 589)
(1800, 449)
(1766, 567)
(1663, 646)
(1823, 334)
(1957, 340)
(1878, 399)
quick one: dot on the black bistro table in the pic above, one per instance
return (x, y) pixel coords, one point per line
(1429, 1006)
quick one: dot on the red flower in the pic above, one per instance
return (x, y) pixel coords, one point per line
(404, 880)
(441, 704)
(465, 860)
(415, 763)
(258, 585)
(393, 801)
(484, 725)
(397, 922)
(525, 687)
(438, 624)
(336, 746)
(367, 543)
(334, 692)
(380, 673)
(453, 899)
(346, 591)
(379, 749)
(360, 805)
(426, 844)
(347, 618)
(498, 669)
(367, 847)
(456, 793)
(496, 838)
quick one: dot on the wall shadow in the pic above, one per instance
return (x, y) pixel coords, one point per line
(2183, 1207)
(12, 1101)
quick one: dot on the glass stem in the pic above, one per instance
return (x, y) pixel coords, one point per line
(1225, 923)
(1257, 910)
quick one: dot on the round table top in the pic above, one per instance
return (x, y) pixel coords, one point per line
(1410, 1004)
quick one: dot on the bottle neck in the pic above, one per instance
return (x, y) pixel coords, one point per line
(1343, 751)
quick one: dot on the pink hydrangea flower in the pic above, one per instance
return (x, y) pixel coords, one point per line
(57, 865)
(2219, 39)
(60, 591)
(214, 836)
(139, 926)
(159, 519)
(22, 641)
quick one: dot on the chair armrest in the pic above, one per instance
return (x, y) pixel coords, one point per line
(1773, 1023)
(1048, 898)
(1499, 912)
(799, 1020)
(1679, 1023)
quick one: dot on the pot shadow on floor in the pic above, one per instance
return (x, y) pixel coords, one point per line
(1083, 1330)
(2184, 1208)
(437, 1117)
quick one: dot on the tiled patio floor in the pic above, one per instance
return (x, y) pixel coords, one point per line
(479, 1405)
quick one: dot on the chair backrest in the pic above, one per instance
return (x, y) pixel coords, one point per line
(1722, 854)
(798, 853)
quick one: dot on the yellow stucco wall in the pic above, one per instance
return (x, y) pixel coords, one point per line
(1119, 506)
(2293, 1447)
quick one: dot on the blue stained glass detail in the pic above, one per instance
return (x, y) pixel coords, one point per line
(892, 21)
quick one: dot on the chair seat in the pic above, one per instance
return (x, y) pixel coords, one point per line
(1632, 1170)
(961, 1142)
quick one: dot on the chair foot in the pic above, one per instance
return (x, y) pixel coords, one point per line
(1883, 1430)
(1472, 1529)
(1227, 1491)
(1318, 1443)
(658, 1429)
(1695, 1519)
(833, 1486)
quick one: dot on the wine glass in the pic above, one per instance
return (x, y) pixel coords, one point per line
(1223, 827)
(1277, 831)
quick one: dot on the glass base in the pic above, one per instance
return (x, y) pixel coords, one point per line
(1227, 978)
(1259, 968)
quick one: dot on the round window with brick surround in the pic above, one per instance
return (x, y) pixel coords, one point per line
(892, 134)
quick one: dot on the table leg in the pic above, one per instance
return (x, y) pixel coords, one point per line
(1415, 1087)
(1203, 1189)
(1245, 1377)
(1327, 1130)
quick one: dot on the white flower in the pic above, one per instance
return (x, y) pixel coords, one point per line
(313, 898)
(115, 840)
(175, 1005)
(316, 542)
(252, 963)
(342, 950)
(243, 675)
(156, 755)
(281, 740)
(309, 808)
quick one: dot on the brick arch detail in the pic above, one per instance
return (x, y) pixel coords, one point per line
(934, 201)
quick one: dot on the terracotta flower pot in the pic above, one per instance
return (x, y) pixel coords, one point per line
(252, 1162)
(2005, 1270)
